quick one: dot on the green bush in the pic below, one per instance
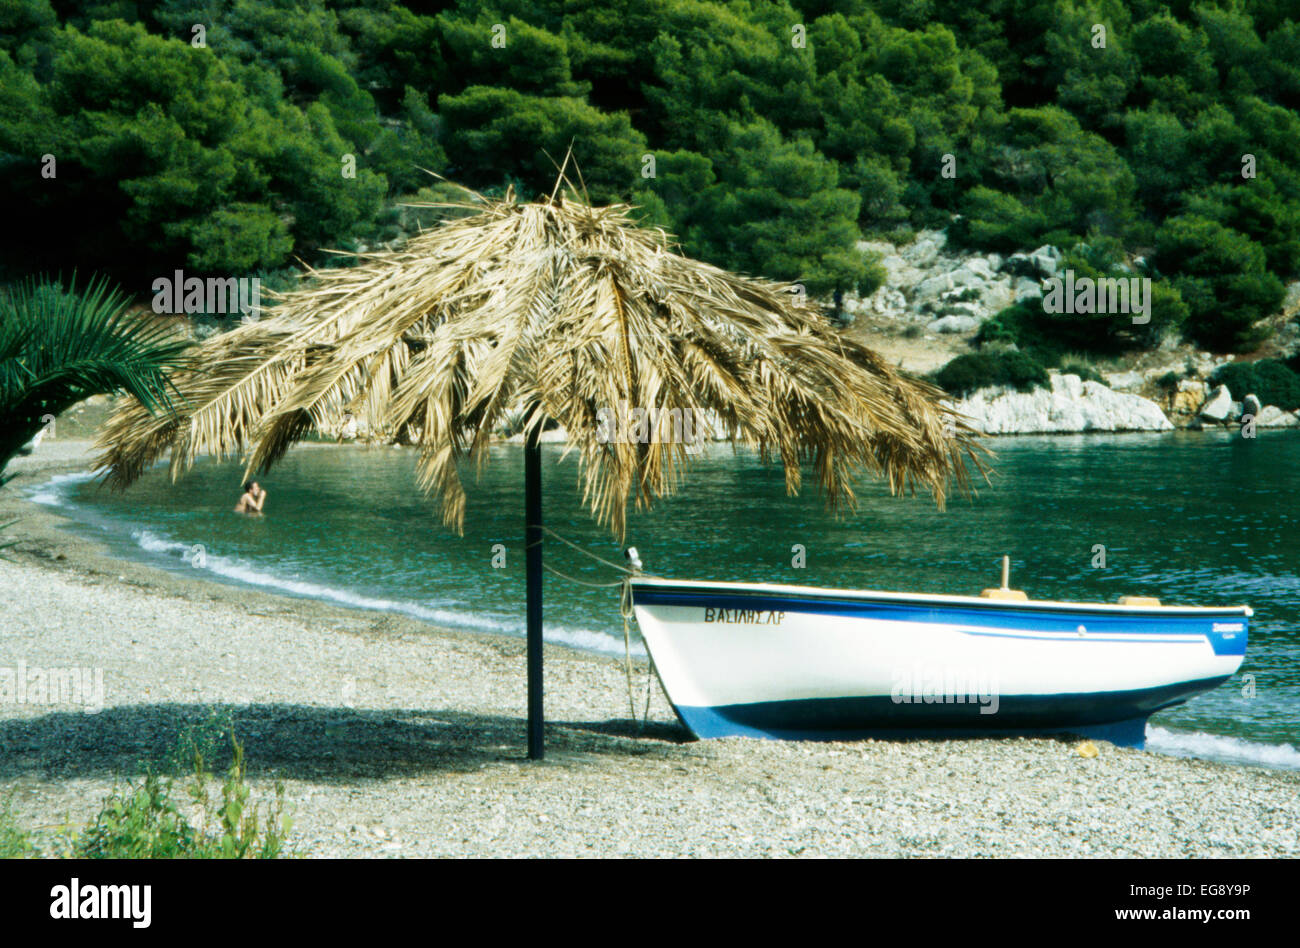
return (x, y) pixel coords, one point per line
(1221, 275)
(1084, 371)
(1049, 336)
(976, 370)
(144, 822)
(1269, 380)
(997, 221)
(14, 842)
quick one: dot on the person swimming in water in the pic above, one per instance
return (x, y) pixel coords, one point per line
(251, 502)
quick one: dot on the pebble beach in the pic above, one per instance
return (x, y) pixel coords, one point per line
(396, 738)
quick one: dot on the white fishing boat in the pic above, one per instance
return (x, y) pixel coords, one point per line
(799, 662)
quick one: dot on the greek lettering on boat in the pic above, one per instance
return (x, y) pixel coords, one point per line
(743, 616)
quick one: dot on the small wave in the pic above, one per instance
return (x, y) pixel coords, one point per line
(1231, 750)
(199, 557)
(54, 492)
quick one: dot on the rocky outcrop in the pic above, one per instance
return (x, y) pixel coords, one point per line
(954, 323)
(1270, 416)
(950, 292)
(1188, 398)
(1218, 407)
(1070, 405)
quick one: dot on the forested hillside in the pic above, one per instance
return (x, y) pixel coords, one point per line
(770, 137)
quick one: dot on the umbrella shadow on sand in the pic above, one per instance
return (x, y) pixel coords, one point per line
(301, 742)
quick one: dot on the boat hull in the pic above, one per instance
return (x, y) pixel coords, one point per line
(803, 663)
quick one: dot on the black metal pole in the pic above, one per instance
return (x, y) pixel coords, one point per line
(533, 566)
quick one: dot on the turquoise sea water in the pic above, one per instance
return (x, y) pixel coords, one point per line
(1193, 518)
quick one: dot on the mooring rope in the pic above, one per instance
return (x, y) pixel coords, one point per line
(582, 582)
(567, 542)
(626, 611)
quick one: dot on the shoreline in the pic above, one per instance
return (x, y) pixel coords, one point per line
(394, 737)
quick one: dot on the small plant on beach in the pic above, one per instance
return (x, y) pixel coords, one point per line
(233, 829)
(141, 822)
(144, 820)
(14, 842)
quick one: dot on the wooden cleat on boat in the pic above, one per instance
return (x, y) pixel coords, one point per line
(1017, 594)
(1003, 592)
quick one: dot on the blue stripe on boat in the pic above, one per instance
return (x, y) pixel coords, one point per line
(990, 620)
(1118, 717)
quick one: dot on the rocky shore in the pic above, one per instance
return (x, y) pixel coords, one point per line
(395, 738)
(935, 299)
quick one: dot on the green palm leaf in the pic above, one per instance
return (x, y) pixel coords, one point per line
(60, 345)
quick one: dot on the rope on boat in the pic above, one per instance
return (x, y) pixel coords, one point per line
(617, 566)
(582, 582)
(626, 611)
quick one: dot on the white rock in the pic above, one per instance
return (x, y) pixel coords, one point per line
(968, 275)
(1124, 380)
(899, 272)
(1292, 299)
(1047, 260)
(923, 251)
(1218, 406)
(1070, 405)
(1017, 264)
(1070, 386)
(886, 301)
(882, 247)
(932, 286)
(1026, 289)
(954, 323)
(1270, 416)
(997, 294)
(957, 279)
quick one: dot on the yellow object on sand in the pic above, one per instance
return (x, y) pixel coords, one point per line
(1088, 749)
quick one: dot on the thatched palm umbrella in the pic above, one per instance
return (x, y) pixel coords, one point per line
(565, 309)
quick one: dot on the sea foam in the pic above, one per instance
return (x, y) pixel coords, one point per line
(55, 491)
(1231, 750)
(255, 575)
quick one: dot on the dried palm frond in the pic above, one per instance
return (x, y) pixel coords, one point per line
(567, 310)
